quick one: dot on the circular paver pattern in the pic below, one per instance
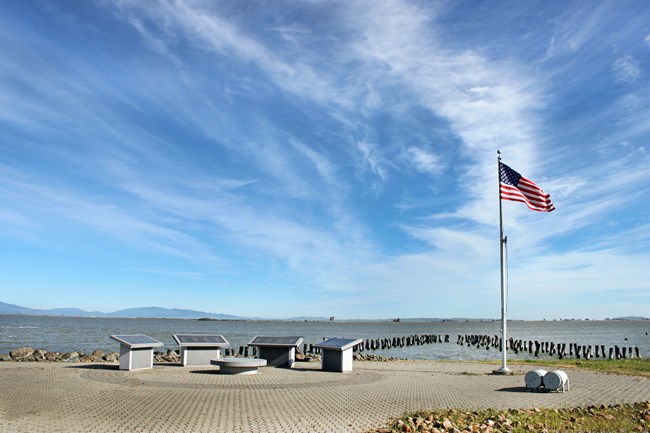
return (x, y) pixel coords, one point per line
(208, 378)
(57, 397)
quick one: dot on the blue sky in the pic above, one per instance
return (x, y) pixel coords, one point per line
(324, 158)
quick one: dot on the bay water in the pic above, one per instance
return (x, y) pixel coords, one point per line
(65, 334)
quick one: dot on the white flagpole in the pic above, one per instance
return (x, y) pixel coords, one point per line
(504, 334)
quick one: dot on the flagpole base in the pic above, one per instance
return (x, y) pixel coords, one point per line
(501, 371)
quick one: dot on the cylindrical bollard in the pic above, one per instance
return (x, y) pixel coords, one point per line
(556, 380)
(534, 379)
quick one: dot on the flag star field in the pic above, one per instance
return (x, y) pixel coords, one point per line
(282, 159)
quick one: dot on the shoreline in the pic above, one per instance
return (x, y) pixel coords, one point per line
(397, 321)
(170, 356)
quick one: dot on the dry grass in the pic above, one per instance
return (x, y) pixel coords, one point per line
(617, 418)
(630, 366)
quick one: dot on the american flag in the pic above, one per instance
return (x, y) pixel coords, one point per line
(515, 187)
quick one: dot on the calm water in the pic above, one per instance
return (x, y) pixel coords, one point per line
(63, 334)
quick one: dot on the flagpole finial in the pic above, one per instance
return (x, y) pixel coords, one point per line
(499, 154)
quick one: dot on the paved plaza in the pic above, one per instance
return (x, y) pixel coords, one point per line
(59, 397)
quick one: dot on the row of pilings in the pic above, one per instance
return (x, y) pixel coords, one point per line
(243, 351)
(408, 341)
(561, 350)
(367, 344)
(533, 347)
(392, 342)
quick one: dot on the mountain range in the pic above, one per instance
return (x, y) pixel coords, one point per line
(178, 313)
(143, 312)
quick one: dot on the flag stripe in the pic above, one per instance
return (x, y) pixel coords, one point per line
(529, 194)
(533, 200)
(515, 187)
(534, 205)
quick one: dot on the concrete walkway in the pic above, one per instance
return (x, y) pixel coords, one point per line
(57, 397)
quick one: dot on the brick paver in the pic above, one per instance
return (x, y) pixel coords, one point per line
(43, 397)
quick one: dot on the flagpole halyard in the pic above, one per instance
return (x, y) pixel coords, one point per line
(504, 340)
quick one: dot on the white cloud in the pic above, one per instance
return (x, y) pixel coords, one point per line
(423, 161)
(562, 281)
(294, 33)
(626, 70)
(324, 167)
(372, 159)
(463, 245)
(52, 208)
(575, 28)
(207, 30)
(489, 105)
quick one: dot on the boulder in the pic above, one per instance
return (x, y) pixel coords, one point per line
(52, 356)
(169, 356)
(311, 357)
(85, 357)
(172, 356)
(111, 357)
(70, 357)
(22, 354)
(300, 356)
(39, 355)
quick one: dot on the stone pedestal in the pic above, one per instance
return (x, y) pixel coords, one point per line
(199, 355)
(136, 351)
(277, 351)
(337, 354)
(200, 349)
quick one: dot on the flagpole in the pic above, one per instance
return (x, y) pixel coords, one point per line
(504, 340)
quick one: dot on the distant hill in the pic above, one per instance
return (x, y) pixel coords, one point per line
(70, 312)
(631, 318)
(169, 313)
(15, 309)
(144, 313)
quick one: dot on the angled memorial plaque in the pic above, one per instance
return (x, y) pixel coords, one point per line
(337, 353)
(276, 341)
(136, 351)
(278, 351)
(137, 341)
(200, 349)
(200, 340)
(338, 343)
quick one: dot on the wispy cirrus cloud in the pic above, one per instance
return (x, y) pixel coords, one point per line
(52, 206)
(423, 160)
(487, 104)
(626, 70)
(574, 28)
(205, 29)
(372, 158)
